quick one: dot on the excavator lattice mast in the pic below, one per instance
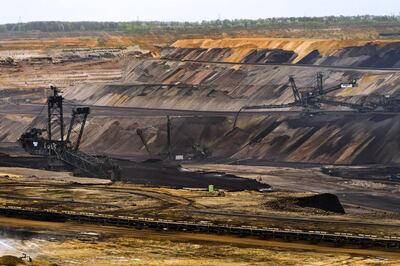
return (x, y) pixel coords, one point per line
(55, 119)
(57, 147)
(76, 127)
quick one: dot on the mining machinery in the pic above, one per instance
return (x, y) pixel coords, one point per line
(386, 103)
(314, 98)
(66, 150)
(78, 121)
(372, 102)
(308, 100)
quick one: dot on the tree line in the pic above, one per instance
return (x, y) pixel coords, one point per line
(236, 24)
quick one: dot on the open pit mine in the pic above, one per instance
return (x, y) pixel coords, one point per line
(223, 151)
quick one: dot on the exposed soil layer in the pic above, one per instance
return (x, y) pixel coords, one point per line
(337, 138)
(60, 191)
(196, 54)
(376, 194)
(369, 55)
(221, 54)
(73, 244)
(319, 52)
(332, 138)
(275, 56)
(216, 87)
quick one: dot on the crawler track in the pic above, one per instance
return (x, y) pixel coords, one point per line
(262, 232)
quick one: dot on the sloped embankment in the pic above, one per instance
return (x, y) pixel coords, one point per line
(276, 56)
(328, 139)
(311, 51)
(200, 86)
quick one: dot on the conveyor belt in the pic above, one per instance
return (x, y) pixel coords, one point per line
(360, 240)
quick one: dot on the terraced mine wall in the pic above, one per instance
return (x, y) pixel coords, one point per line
(356, 53)
(216, 87)
(169, 83)
(340, 138)
(334, 138)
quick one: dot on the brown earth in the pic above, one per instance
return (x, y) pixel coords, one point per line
(40, 189)
(73, 244)
(302, 47)
(330, 138)
(335, 137)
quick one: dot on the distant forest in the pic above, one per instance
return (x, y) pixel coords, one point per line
(206, 26)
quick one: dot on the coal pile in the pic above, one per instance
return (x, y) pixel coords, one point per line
(323, 204)
(199, 54)
(326, 202)
(311, 58)
(158, 174)
(276, 56)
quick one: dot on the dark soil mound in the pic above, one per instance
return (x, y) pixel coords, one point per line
(326, 202)
(269, 56)
(311, 58)
(370, 55)
(160, 174)
(322, 204)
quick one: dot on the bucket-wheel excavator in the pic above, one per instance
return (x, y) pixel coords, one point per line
(308, 100)
(57, 147)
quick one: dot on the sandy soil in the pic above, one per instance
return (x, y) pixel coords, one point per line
(72, 244)
(242, 46)
(365, 201)
(60, 191)
(311, 179)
